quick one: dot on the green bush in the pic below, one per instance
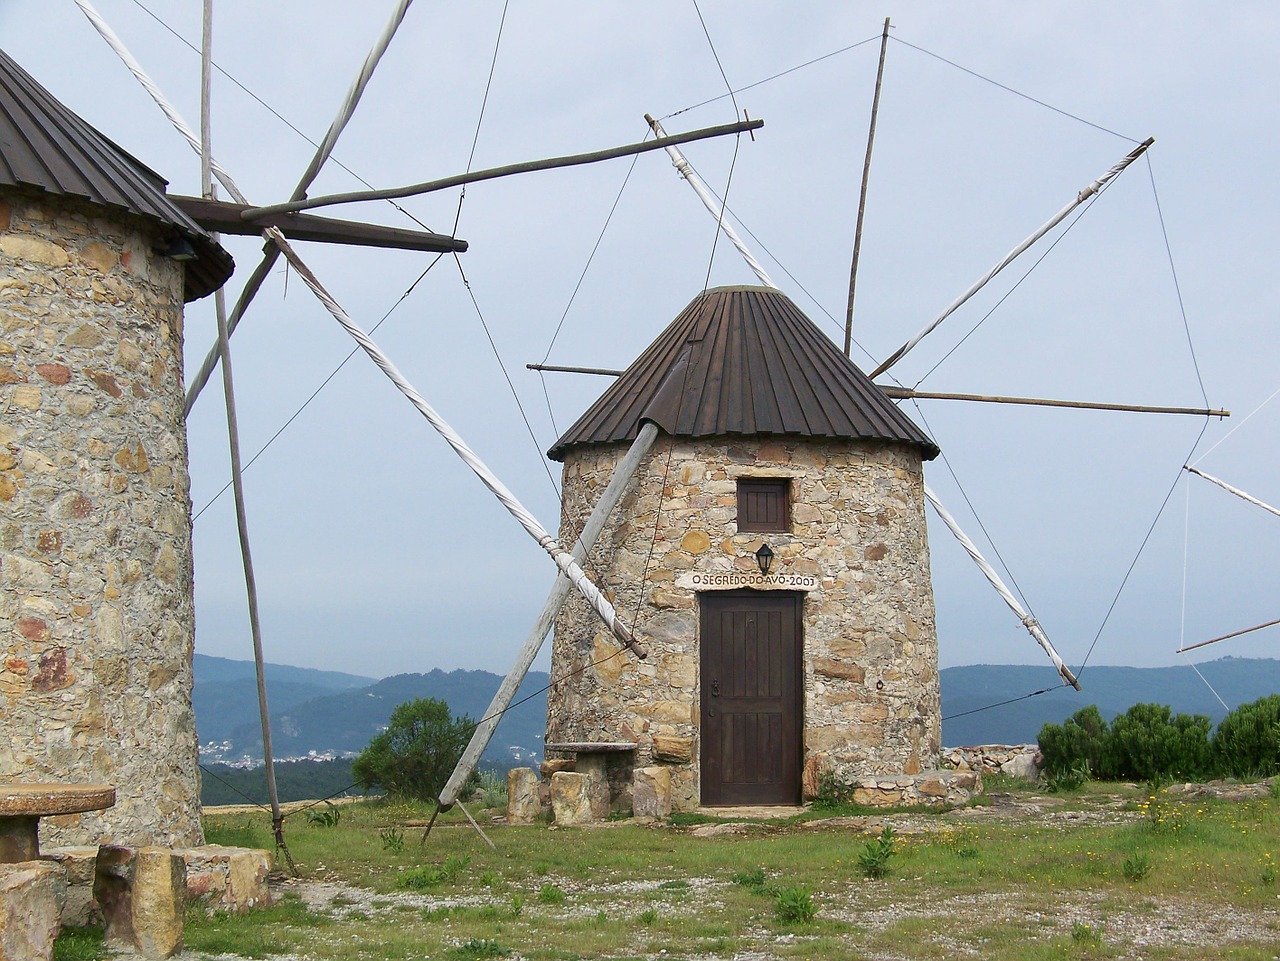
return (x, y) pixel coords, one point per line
(413, 758)
(1148, 742)
(1247, 742)
(1076, 741)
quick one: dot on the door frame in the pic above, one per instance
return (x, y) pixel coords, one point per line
(712, 601)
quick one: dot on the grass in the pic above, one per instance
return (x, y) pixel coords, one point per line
(1075, 887)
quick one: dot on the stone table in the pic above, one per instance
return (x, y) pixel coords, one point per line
(23, 805)
(592, 760)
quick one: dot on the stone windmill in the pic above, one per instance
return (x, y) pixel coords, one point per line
(771, 551)
(96, 611)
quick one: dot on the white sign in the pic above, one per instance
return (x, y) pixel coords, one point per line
(727, 580)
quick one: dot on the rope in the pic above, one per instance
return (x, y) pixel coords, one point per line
(776, 76)
(1207, 684)
(1012, 700)
(1009, 293)
(1016, 93)
(1141, 547)
(484, 102)
(507, 376)
(1177, 287)
(1246, 420)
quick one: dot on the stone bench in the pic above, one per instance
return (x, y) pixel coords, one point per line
(23, 805)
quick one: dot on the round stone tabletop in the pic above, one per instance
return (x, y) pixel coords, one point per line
(46, 800)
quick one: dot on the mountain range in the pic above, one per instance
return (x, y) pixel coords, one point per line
(329, 714)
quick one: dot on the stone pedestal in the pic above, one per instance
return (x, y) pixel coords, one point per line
(571, 798)
(77, 862)
(523, 803)
(143, 895)
(651, 792)
(32, 894)
(595, 767)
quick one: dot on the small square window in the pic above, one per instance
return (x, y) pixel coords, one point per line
(764, 504)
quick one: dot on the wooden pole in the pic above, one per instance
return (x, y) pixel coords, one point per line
(591, 530)
(862, 196)
(603, 371)
(272, 235)
(233, 438)
(492, 173)
(903, 393)
(1224, 637)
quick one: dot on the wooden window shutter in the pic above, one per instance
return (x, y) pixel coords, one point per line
(764, 504)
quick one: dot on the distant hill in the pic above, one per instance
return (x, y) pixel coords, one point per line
(1237, 680)
(328, 713)
(332, 714)
(226, 691)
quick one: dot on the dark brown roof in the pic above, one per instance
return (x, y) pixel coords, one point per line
(744, 360)
(45, 146)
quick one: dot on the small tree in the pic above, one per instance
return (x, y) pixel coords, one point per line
(413, 758)
(1149, 741)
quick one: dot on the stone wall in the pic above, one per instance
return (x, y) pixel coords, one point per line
(858, 551)
(96, 618)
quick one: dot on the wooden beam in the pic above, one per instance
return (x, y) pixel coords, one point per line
(551, 163)
(902, 393)
(224, 217)
(556, 368)
(1247, 630)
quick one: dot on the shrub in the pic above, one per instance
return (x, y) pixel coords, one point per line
(1078, 740)
(1148, 743)
(874, 857)
(392, 839)
(794, 905)
(413, 758)
(1247, 742)
(1136, 866)
(833, 791)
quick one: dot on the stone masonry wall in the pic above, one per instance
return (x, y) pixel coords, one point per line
(857, 548)
(96, 618)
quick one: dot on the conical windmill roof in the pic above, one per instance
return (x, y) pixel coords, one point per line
(44, 146)
(744, 361)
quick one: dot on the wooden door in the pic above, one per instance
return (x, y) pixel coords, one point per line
(751, 680)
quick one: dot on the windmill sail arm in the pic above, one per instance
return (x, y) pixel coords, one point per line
(480, 737)
(717, 210)
(1234, 490)
(1030, 623)
(1016, 252)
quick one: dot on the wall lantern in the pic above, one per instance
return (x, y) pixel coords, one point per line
(764, 558)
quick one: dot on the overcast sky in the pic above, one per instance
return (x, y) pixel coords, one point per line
(377, 552)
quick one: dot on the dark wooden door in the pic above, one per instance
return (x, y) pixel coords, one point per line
(751, 677)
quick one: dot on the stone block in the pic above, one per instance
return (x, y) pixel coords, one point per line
(523, 804)
(222, 878)
(672, 749)
(143, 895)
(595, 767)
(571, 798)
(32, 895)
(555, 766)
(651, 792)
(78, 862)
